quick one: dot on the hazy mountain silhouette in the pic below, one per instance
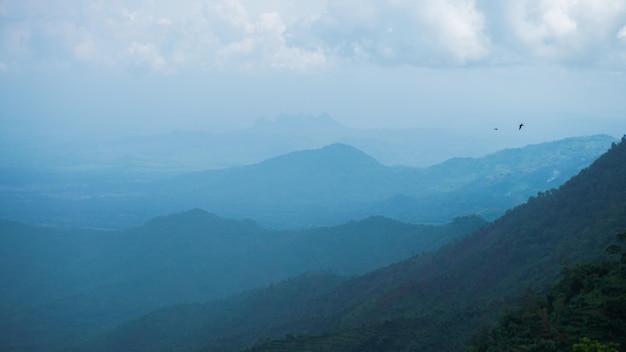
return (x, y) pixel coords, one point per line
(418, 147)
(171, 152)
(325, 186)
(338, 183)
(431, 302)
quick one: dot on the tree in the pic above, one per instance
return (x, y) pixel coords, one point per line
(587, 345)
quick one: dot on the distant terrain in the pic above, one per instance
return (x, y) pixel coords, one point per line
(182, 151)
(301, 189)
(313, 249)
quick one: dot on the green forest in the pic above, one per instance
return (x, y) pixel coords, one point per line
(584, 311)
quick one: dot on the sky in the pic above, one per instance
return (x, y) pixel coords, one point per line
(147, 66)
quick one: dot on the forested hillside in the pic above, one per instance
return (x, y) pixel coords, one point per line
(438, 301)
(586, 308)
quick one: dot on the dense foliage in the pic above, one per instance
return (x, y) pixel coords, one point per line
(584, 311)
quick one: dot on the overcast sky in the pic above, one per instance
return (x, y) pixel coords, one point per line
(156, 65)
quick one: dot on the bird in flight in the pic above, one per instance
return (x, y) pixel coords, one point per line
(520, 126)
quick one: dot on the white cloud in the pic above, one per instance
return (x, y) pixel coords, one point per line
(565, 30)
(263, 45)
(307, 35)
(405, 32)
(459, 28)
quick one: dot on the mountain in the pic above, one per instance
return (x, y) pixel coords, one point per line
(167, 153)
(62, 284)
(338, 183)
(431, 302)
(303, 189)
(337, 157)
(318, 187)
(585, 308)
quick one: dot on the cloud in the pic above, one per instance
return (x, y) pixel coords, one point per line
(565, 30)
(305, 36)
(158, 35)
(263, 43)
(422, 33)
(481, 32)
(459, 28)
(3, 67)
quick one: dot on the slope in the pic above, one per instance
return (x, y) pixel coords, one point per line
(588, 303)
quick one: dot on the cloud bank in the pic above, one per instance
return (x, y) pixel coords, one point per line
(305, 36)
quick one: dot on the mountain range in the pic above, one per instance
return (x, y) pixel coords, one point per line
(430, 302)
(177, 152)
(316, 187)
(93, 280)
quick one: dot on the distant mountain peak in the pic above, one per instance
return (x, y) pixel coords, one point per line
(196, 217)
(342, 149)
(336, 156)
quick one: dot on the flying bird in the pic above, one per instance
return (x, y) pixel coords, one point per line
(520, 126)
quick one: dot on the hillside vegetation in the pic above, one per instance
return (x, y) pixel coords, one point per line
(587, 307)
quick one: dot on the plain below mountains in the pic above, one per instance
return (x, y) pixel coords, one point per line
(317, 187)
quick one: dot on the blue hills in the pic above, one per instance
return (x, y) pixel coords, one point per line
(339, 183)
(93, 280)
(315, 187)
(61, 284)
